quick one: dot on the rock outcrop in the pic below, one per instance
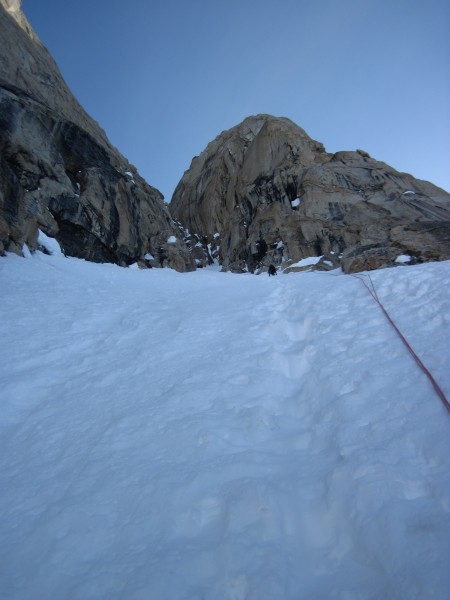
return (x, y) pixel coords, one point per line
(265, 192)
(60, 174)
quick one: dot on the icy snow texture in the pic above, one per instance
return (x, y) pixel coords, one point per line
(206, 435)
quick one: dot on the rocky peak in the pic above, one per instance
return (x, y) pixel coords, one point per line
(265, 192)
(60, 174)
(14, 8)
(27, 65)
(206, 196)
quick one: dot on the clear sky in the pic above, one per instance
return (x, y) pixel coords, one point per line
(165, 77)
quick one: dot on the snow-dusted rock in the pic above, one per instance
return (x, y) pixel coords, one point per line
(368, 257)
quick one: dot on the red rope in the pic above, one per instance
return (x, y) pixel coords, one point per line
(437, 388)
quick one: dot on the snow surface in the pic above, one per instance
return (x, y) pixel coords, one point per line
(172, 240)
(130, 175)
(305, 262)
(50, 244)
(215, 436)
(403, 258)
(296, 202)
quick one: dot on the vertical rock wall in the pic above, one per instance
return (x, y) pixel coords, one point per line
(60, 174)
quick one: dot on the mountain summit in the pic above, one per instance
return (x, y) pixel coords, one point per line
(265, 192)
(60, 175)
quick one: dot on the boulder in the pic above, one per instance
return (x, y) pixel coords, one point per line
(368, 258)
(266, 192)
(60, 174)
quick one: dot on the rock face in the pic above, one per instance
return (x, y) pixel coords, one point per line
(265, 192)
(60, 174)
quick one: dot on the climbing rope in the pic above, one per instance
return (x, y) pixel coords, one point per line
(372, 291)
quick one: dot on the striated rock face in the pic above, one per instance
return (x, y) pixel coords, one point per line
(60, 174)
(265, 192)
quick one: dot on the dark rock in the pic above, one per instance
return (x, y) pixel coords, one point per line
(60, 174)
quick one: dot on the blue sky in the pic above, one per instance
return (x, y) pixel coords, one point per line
(165, 77)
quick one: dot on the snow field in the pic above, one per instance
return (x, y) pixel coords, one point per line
(208, 435)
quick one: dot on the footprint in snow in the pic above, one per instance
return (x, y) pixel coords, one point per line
(291, 364)
(207, 512)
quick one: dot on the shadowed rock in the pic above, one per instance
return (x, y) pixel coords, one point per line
(60, 174)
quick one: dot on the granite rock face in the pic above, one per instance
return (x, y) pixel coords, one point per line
(60, 174)
(265, 192)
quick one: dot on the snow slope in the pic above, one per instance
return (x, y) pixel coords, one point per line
(171, 436)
